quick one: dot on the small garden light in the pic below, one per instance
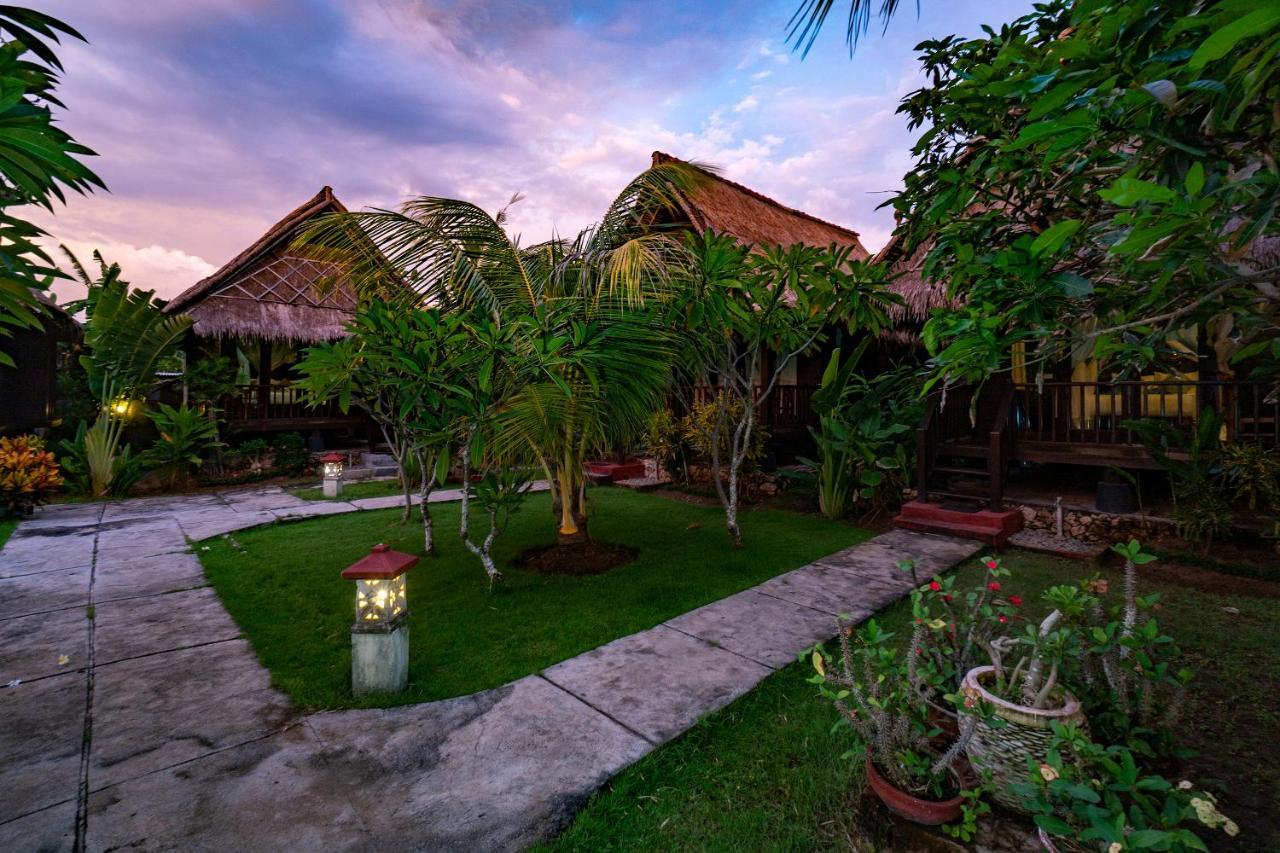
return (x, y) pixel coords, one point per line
(380, 634)
(331, 467)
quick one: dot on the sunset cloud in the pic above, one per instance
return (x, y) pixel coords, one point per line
(213, 118)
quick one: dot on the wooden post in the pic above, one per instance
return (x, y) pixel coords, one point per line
(264, 377)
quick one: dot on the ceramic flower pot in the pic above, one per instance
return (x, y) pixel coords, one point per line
(1026, 733)
(909, 806)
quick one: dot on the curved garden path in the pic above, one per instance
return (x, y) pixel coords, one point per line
(161, 730)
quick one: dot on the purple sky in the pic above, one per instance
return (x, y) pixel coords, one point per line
(214, 118)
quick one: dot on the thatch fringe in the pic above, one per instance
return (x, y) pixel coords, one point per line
(218, 317)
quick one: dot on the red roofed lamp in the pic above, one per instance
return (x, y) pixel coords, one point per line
(331, 467)
(380, 635)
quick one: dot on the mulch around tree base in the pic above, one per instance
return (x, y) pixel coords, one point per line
(582, 558)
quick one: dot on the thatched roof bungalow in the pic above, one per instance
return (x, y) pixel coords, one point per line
(261, 308)
(273, 291)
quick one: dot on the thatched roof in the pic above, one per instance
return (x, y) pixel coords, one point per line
(272, 290)
(730, 208)
(920, 296)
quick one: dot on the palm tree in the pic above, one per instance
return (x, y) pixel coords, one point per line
(588, 310)
(808, 19)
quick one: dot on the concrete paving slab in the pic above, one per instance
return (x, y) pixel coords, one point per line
(159, 623)
(51, 830)
(310, 509)
(47, 548)
(829, 589)
(40, 743)
(497, 771)
(131, 577)
(768, 630)
(264, 501)
(383, 502)
(46, 591)
(206, 526)
(658, 682)
(154, 712)
(270, 794)
(31, 645)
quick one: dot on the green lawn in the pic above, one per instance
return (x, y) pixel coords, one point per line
(283, 588)
(354, 491)
(765, 773)
(7, 526)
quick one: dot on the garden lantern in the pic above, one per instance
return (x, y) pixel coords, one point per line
(380, 635)
(331, 468)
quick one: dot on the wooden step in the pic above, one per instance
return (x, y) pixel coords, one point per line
(958, 469)
(984, 524)
(969, 450)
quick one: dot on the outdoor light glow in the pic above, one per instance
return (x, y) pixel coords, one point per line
(120, 407)
(380, 600)
(331, 466)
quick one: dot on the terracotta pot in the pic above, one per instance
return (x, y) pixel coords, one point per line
(909, 806)
(1026, 733)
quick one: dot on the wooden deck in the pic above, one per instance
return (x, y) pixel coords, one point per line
(1074, 423)
(283, 408)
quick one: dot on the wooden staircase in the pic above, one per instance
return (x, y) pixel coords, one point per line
(963, 445)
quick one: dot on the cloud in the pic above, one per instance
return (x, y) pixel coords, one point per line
(214, 118)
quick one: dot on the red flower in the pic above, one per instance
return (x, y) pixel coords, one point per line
(1015, 600)
(919, 650)
(994, 586)
(1004, 620)
(992, 564)
(935, 586)
(947, 598)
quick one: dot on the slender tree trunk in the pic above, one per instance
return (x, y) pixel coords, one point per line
(465, 522)
(428, 483)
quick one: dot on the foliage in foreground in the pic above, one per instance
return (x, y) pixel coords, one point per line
(37, 159)
(1097, 175)
(761, 774)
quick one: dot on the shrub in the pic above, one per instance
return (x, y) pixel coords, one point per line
(291, 455)
(665, 441)
(185, 434)
(1093, 793)
(29, 475)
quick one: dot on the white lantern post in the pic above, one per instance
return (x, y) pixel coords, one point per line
(380, 635)
(331, 468)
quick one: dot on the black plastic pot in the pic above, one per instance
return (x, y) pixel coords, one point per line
(1115, 497)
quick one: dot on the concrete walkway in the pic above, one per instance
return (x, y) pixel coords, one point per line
(161, 730)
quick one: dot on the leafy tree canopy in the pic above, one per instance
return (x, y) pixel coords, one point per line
(1096, 175)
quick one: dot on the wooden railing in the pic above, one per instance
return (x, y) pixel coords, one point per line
(787, 407)
(273, 403)
(1096, 412)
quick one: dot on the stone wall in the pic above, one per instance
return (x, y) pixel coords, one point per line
(1090, 526)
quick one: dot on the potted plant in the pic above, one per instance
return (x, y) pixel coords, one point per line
(887, 703)
(1020, 704)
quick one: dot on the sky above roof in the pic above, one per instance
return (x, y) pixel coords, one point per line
(215, 118)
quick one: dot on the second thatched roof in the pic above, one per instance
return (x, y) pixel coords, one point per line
(731, 208)
(272, 290)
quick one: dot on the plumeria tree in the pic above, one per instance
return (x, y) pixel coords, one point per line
(1095, 176)
(747, 315)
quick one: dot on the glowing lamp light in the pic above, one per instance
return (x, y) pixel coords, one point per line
(380, 634)
(120, 408)
(331, 467)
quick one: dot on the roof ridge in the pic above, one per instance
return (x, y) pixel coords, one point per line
(280, 230)
(660, 157)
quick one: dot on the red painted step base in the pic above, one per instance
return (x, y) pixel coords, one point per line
(616, 471)
(994, 528)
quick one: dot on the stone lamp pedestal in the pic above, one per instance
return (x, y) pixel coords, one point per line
(380, 634)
